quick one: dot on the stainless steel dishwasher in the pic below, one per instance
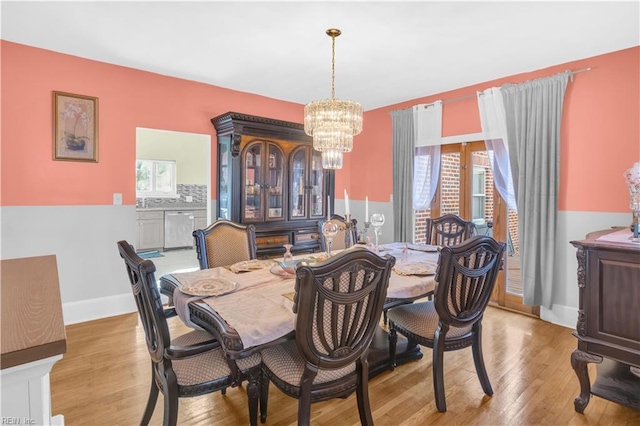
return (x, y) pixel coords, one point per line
(178, 229)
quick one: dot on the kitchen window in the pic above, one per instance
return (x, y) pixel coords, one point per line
(156, 178)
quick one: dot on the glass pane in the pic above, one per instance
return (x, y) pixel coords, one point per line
(143, 175)
(275, 180)
(514, 277)
(164, 177)
(482, 193)
(298, 183)
(316, 180)
(225, 182)
(450, 183)
(253, 182)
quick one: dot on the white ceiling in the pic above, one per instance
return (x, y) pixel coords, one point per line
(388, 52)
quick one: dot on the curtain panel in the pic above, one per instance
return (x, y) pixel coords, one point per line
(403, 145)
(494, 127)
(534, 114)
(427, 121)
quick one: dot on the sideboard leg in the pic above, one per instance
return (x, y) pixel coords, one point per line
(579, 361)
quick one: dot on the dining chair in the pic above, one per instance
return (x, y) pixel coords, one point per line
(192, 364)
(347, 234)
(465, 278)
(447, 230)
(338, 304)
(224, 243)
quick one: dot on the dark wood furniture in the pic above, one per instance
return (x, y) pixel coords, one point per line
(447, 230)
(189, 365)
(453, 320)
(608, 328)
(224, 243)
(379, 361)
(270, 176)
(338, 306)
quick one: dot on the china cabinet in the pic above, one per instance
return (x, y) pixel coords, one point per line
(270, 176)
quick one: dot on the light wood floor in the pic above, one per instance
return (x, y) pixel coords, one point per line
(104, 379)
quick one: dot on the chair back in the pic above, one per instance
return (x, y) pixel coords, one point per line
(224, 243)
(347, 234)
(141, 274)
(447, 230)
(465, 278)
(338, 305)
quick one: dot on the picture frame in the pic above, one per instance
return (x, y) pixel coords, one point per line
(75, 127)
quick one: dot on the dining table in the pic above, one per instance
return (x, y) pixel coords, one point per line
(252, 308)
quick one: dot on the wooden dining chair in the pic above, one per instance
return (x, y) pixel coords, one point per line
(189, 365)
(338, 304)
(224, 243)
(347, 233)
(465, 278)
(447, 230)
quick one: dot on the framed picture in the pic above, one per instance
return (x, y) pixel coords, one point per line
(75, 127)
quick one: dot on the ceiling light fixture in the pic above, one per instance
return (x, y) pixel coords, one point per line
(333, 122)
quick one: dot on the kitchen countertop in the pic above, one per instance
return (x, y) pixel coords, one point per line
(172, 208)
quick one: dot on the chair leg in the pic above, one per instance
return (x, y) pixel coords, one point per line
(170, 407)
(264, 395)
(304, 401)
(438, 367)
(151, 402)
(362, 392)
(253, 390)
(393, 341)
(478, 359)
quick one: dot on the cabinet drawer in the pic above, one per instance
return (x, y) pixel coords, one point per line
(311, 236)
(269, 240)
(200, 214)
(150, 215)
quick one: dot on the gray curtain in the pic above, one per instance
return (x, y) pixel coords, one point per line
(403, 145)
(534, 114)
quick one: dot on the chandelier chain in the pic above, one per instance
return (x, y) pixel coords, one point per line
(333, 67)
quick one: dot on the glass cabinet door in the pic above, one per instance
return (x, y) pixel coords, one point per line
(224, 180)
(252, 185)
(275, 183)
(298, 184)
(316, 182)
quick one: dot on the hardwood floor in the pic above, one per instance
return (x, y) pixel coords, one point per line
(104, 379)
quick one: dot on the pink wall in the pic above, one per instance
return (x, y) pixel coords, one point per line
(599, 136)
(599, 140)
(128, 98)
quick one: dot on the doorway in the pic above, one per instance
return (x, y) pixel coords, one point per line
(173, 175)
(466, 189)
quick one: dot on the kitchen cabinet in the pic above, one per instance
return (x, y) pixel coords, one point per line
(608, 330)
(149, 230)
(200, 217)
(270, 176)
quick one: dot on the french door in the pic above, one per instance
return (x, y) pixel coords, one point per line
(466, 189)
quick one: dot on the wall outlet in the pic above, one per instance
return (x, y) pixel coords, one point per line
(189, 198)
(117, 199)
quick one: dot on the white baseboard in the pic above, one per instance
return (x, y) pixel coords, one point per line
(566, 316)
(93, 309)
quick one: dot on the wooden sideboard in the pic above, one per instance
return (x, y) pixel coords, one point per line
(608, 328)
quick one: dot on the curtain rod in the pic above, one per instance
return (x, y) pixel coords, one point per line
(461, 98)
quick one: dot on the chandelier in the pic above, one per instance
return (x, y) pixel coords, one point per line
(333, 122)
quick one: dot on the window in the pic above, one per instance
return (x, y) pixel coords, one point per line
(156, 178)
(478, 195)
